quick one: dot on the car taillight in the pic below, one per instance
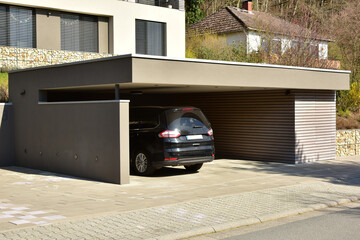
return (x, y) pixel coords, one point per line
(187, 109)
(171, 159)
(210, 132)
(169, 134)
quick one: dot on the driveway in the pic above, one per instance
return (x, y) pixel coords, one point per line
(31, 197)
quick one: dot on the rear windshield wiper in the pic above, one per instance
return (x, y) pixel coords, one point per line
(197, 126)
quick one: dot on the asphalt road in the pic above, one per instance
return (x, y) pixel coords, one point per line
(340, 223)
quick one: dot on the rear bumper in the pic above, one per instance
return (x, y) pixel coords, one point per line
(183, 161)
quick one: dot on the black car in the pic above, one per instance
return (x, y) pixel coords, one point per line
(169, 136)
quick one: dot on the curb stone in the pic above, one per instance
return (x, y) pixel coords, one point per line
(255, 220)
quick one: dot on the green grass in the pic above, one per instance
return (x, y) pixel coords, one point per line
(4, 80)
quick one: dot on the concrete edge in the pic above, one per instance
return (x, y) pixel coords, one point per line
(255, 220)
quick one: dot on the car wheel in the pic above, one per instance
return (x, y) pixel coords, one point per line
(193, 168)
(142, 164)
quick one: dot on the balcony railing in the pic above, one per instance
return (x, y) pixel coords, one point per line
(176, 4)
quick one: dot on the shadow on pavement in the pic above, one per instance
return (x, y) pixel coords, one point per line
(334, 171)
(168, 171)
(51, 176)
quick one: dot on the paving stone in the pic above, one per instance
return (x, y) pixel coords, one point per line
(199, 213)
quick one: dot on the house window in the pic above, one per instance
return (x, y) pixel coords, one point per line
(17, 27)
(79, 32)
(150, 38)
(272, 46)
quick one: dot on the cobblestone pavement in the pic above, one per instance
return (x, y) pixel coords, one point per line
(175, 220)
(172, 204)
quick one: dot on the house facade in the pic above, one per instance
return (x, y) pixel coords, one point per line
(261, 31)
(79, 30)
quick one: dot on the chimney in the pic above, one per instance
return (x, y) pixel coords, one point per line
(247, 5)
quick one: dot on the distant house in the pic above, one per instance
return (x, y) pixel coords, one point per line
(260, 30)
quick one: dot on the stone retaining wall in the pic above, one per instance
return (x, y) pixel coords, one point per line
(12, 58)
(348, 142)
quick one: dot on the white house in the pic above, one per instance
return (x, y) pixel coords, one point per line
(259, 30)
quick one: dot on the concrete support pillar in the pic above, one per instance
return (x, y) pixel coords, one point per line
(117, 92)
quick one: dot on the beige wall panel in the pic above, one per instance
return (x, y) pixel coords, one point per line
(124, 143)
(48, 30)
(103, 35)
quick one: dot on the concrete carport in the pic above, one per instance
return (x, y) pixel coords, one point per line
(69, 119)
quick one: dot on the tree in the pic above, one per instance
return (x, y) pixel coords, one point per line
(346, 32)
(194, 12)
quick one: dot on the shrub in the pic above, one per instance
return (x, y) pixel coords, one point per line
(215, 47)
(4, 87)
(344, 113)
(4, 94)
(349, 100)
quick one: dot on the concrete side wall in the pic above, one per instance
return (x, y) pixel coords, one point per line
(6, 135)
(79, 139)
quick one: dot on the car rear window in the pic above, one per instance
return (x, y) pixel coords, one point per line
(188, 121)
(143, 118)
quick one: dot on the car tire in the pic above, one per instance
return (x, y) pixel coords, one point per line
(141, 164)
(194, 167)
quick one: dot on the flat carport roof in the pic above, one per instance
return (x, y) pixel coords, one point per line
(168, 75)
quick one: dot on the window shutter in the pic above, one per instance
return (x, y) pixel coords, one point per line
(3, 26)
(140, 37)
(155, 38)
(89, 34)
(22, 25)
(150, 38)
(70, 32)
(17, 27)
(79, 33)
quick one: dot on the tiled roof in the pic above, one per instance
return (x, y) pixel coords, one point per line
(231, 19)
(222, 21)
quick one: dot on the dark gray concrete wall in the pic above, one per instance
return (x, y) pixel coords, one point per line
(6, 135)
(89, 73)
(79, 139)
